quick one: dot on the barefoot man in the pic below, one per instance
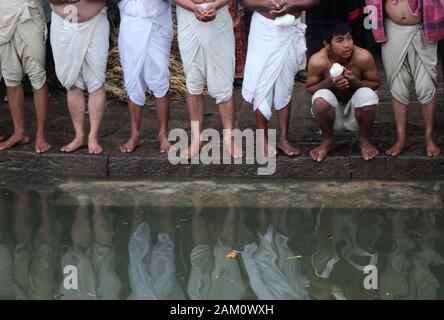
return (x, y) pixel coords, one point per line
(22, 51)
(409, 30)
(274, 55)
(145, 44)
(207, 47)
(80, 43)
(346, 101)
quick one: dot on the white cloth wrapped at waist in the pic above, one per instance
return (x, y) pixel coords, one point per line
(144, 46)
(274, 55)
(208, 53)
(81, 51)
(14, 12)
(152, 271)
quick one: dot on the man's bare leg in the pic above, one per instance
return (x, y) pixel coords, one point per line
(366, 118)
(22, 216)
(76, 105)
(138, 214)
(428, 112)
(325, 116)
(199, 229)
(81, 230)
(96, 108)
(400, 113)
(46, 234)
(41, 101)
(195, 109)
(226, 111)
(284, 122)
(230, 227)
(262, 124)
(101, 225)
(136, 124)
(16, 105)
(163, 114)
(167, 220)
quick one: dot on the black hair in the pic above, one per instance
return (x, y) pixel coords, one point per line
(335, 28)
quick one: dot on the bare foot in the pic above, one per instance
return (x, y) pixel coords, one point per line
(397, 149)
(41, 145)
(14, 140)
(165, 145)
(368, 151)
(130, 145)
(320, 152)
(233, 149)
(192, 150)
(432, 148)
(75, 145)
(287, 149)
(94, 147)
(268, 151)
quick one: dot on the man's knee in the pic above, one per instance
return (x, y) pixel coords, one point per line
(320, 105)
(365, 98)
(37, 79)
(425, 93)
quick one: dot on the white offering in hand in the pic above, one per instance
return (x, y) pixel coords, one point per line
(336, 70)
(285, 20)
(205, 6)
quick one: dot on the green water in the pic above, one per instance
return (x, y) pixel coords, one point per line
(220, 239)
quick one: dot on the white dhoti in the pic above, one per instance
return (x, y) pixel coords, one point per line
(273, 59)
(97, 278)
(208, 53)
(152, 270)
(145, 45)
(274, 272)
(407, 57)
(214, 277)
(22, 42)
(81, 51)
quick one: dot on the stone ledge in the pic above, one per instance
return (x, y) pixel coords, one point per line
(148, 163)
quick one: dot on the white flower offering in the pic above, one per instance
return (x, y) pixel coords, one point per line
(285, 20)
(336, 70)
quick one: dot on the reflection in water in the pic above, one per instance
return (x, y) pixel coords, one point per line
(92, 253)
(201, 251)
(152, 268)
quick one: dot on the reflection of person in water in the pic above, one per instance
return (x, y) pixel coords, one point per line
(6, 253)
(93, 254)
(213, 275)
(273, 269)
(407, 273)
(35, 257)
(152, 270)
(346, 246)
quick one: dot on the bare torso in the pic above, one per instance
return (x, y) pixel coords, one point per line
(354, 64)
(400, 13)
(83, 10)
